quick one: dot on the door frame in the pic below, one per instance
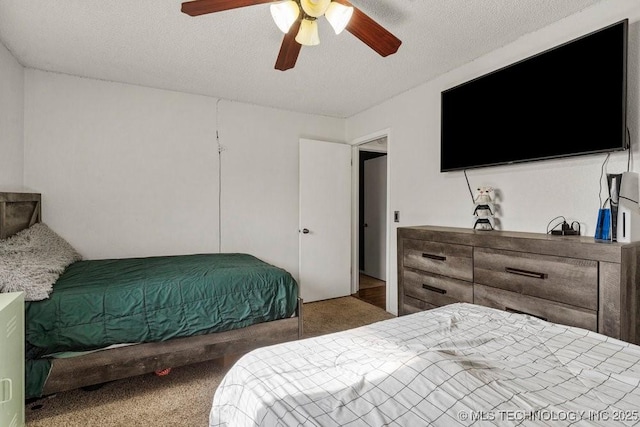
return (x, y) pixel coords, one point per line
(355, 208)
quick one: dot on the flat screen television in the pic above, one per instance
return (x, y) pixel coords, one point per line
(569, 100)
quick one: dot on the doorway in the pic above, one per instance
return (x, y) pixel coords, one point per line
(372, 222)
(318, 156)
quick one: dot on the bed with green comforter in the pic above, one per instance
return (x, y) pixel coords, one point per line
(99, 303)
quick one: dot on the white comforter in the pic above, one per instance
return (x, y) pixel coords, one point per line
(460, 364)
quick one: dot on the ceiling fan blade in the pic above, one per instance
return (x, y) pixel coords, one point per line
(371, 33)
(290, 49)
(201, 7)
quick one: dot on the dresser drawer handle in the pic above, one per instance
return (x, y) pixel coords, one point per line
(513, 310)
(436, 257)
(526, 273)
(433, 289)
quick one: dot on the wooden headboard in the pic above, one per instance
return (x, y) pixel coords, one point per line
(18, 211)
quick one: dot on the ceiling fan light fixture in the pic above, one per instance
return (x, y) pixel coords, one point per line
(338, 16)
(285, 14)
(308, 33)
(315, 8)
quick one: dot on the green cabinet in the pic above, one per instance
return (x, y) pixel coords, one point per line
(12, 359)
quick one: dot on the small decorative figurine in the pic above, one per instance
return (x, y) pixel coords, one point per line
(485, 208)
(484, 195)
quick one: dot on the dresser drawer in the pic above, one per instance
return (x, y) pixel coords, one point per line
(436, 290)
(547, 310)
(439, 258)
(412, 305)
(565, 280)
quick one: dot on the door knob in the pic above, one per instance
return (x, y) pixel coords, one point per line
(305, 231)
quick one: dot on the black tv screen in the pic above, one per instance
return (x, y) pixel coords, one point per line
(566, 101)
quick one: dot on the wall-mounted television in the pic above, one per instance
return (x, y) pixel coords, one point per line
(569, 100)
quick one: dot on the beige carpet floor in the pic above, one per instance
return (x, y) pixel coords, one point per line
(182, 398)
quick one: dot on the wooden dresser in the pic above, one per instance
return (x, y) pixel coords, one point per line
(571, 280)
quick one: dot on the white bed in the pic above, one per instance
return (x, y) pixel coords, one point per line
(460, 364)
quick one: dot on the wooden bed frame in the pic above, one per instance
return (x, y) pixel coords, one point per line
(18, 211)
(21, 210)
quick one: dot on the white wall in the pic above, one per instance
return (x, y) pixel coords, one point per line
(533, 193)
(260, 178)
(11, 121)
(133, 171)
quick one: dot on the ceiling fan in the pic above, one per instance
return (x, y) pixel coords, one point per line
(298, 20)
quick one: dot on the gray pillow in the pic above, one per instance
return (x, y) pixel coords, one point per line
(32, 260)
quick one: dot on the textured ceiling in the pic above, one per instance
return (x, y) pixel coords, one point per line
(231, 54)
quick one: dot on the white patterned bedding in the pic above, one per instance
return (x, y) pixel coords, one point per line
(461, 364)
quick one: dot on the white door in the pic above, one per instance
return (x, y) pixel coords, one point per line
(325, 220)
(375, 217)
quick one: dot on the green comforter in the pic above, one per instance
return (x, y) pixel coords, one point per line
(98, 303)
